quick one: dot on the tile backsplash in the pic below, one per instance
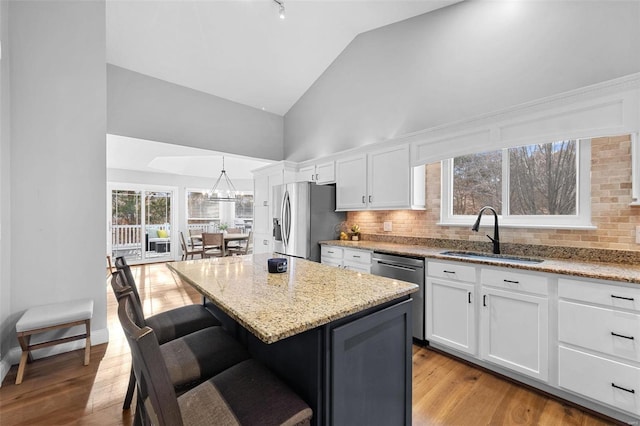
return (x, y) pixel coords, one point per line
(614, 218)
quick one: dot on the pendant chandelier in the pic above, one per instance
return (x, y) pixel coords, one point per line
(223, 189)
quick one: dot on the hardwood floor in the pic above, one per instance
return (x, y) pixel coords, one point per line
(59, 390)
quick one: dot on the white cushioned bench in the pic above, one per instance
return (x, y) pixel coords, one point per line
(40, 319)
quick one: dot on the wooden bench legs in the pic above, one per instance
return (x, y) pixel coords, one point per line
(24, 338)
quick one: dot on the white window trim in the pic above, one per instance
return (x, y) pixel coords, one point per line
(580, 221)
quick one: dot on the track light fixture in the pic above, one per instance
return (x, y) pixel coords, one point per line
(281, 10)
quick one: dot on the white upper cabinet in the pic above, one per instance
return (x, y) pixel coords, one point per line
(321, 173)
(379, 180)
(351, 183)
(264, 180)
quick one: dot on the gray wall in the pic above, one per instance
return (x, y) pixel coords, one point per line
(458, 62)
(57, 157)
(148, 108)
(5, 228)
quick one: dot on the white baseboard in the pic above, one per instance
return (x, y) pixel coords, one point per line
(12, 357)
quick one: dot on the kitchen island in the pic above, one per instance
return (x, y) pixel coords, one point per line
(340, 339)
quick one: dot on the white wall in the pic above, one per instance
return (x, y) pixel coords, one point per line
(459, 62)
(148, 108)
(5, 229)
(58, 156)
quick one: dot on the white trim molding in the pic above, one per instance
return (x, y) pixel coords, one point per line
(606, 109)
(635, 169)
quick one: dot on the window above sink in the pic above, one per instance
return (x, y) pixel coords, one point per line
(515, 181)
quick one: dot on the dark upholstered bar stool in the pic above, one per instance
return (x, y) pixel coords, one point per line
(190, 359)
(245, 394)
(170, 324)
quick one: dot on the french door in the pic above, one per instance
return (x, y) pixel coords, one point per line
(141, 223)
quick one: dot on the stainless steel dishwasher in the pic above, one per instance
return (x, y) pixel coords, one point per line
(410, 269)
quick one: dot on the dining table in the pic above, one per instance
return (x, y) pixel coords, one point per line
(228, 237)
(341, 339)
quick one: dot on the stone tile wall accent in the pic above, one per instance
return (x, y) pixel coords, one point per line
(611, 214)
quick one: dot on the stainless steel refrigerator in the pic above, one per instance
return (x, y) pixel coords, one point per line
(303, 214)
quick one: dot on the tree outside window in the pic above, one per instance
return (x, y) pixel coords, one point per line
(530, 185)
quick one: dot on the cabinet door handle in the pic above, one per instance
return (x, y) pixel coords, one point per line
(265, 242)
(620, 297)
(369, 198)
(469, 296)
(316, 176)
(621, 388)
(622, 335)
(511, 281)
(363, 199)
(265, 203)
(312, 176)
(484, 300)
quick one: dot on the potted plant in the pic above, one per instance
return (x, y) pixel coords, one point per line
(355, 231)
(223, 227)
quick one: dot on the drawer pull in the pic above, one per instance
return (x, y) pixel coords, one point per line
(469, 293)
(356, 256)
(620, 297)
(624, 389)
(621, 335)
(449, 272)
(329, 251)
(484, 300)
(511, 281)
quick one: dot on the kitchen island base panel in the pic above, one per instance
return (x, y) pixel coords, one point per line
(356, 370)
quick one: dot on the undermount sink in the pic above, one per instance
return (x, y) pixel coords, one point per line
(492, 257)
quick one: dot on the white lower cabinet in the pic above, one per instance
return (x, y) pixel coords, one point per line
(450, 306)
(514, 321)
(514, 331)
(346, 258)
(599, 348)
(600, 378)
(506, 319)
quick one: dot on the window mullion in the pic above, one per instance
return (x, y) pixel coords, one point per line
(505, 183)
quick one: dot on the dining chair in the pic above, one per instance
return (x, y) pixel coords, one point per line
(191, 358)
(195, 236)
(244, 247)
(168, 325)
(189, 251)
(246, 393)
(231, 244)
(213, 244)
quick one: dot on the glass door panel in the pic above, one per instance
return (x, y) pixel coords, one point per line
(158, 207)
(126, 224)
(141, 225)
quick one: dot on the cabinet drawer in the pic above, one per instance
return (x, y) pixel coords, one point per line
(331, 262)
(358, 256)
(602, 379)
(331, 252)
(507, 279)
(358, 267)
(601, 329)
(452, 271)
(600, 293)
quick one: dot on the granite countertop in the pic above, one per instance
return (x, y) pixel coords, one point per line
(276, 306)
(586, 269)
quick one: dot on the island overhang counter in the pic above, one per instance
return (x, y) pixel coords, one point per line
(341, 339)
